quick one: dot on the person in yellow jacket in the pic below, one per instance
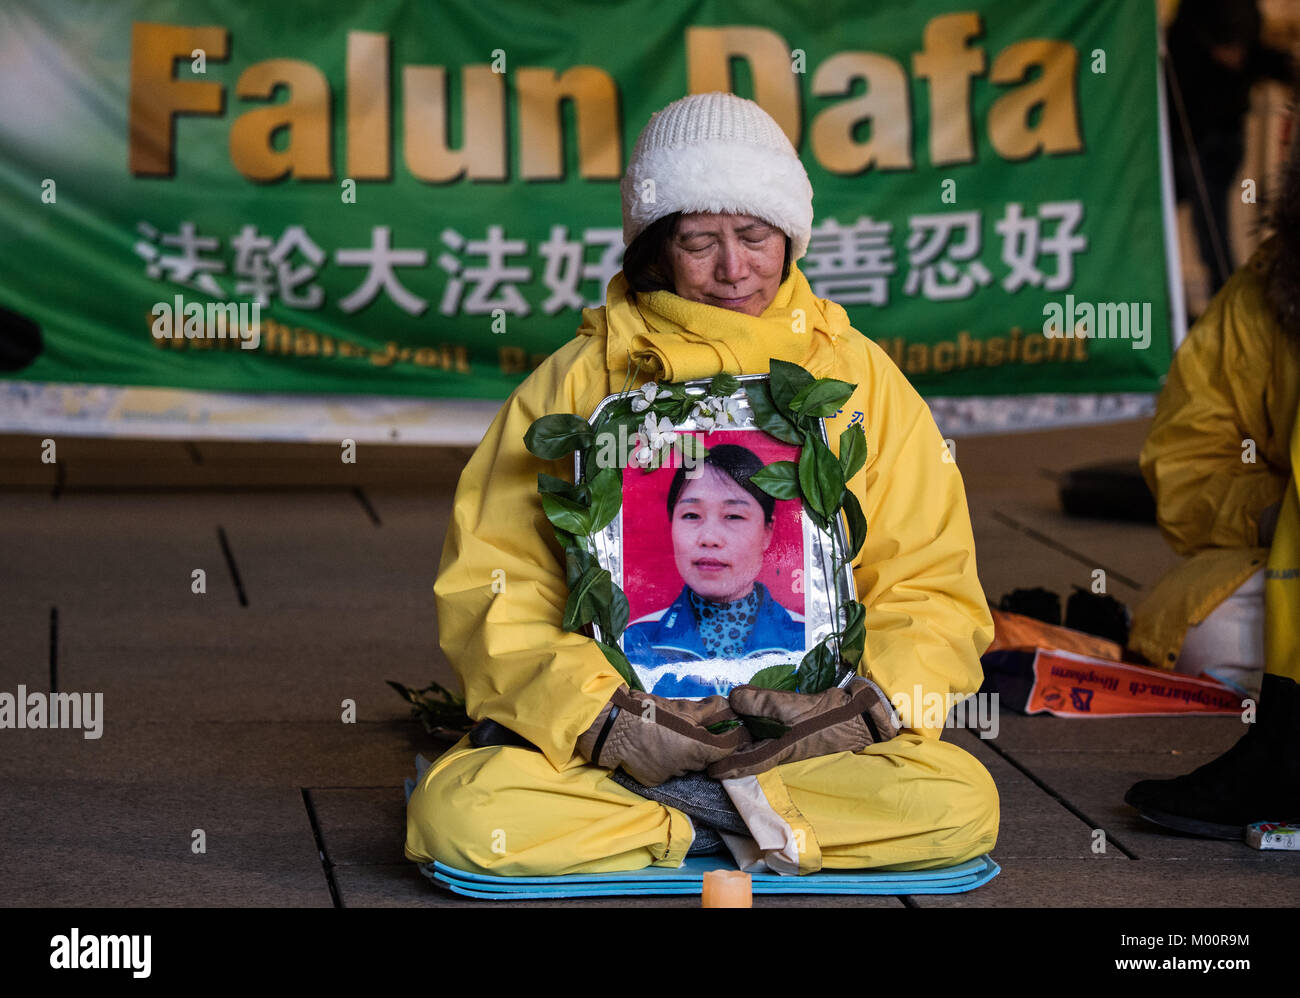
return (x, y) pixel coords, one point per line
(717, 210)
(1221, 459)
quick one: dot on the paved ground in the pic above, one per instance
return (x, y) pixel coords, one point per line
(222, 710)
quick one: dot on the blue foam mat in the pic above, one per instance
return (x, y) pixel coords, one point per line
(694, 868)
(689, 878)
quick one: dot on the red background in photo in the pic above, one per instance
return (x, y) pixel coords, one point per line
(650, 576)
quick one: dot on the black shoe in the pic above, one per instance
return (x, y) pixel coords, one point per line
(1258, 779)
(1104, 616)
(1039, 603)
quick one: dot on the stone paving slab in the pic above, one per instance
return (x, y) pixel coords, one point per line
(989, 485)
(361, 826)
(107, 551)
(127, 615)
(24, 643)
(126, 454)
(1016, 514)
(204, 754)
(230, 678)
(219, 661)
(229, 664)
(1033, 824)
(333, 559)
(1147, 735)
(1009, 559)
(316, 551)
(416, 515)
(305, 466)
(102, 842)
(1013, 461)
(30, 477)
(22, 456)
(99, 463)
(1061, 449)
(1137, 552)
(323, 463)
(1096, 783)
(127, 545)
(1096, 883)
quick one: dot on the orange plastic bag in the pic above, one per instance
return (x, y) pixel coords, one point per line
(1016, 632)
(1045, 681)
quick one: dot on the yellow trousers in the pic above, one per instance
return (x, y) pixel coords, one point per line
(911, 803)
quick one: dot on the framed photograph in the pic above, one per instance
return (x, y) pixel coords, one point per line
(722, 579)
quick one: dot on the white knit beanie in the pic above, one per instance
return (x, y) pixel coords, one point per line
(717, 153)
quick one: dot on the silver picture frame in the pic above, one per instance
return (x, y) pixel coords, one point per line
(825, 588)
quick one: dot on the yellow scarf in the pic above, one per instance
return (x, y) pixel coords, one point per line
(1282, 580)
(669, 338)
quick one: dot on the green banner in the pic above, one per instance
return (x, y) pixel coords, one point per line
(419, 199)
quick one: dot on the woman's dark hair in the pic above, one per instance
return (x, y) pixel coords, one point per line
(645, 261)
(737, 463)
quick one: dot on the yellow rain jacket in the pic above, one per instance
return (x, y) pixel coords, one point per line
(1217, 456)
(909, 803)
(1282, 579)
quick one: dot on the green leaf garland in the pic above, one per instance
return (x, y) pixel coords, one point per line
(789, 405)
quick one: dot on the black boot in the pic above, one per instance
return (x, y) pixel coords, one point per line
(1258, 779)
(1104, 616)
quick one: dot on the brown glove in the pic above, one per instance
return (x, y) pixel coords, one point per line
(655, 738)
(838, 720)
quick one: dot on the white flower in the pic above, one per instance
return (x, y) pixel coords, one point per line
(704, 416)
(713, 411)
(641, 400)
(729, 410)
(658, 432)
(642, 453)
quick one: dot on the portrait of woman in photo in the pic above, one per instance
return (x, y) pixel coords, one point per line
(721, 527)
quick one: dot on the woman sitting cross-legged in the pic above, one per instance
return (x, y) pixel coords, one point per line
(709, 285)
